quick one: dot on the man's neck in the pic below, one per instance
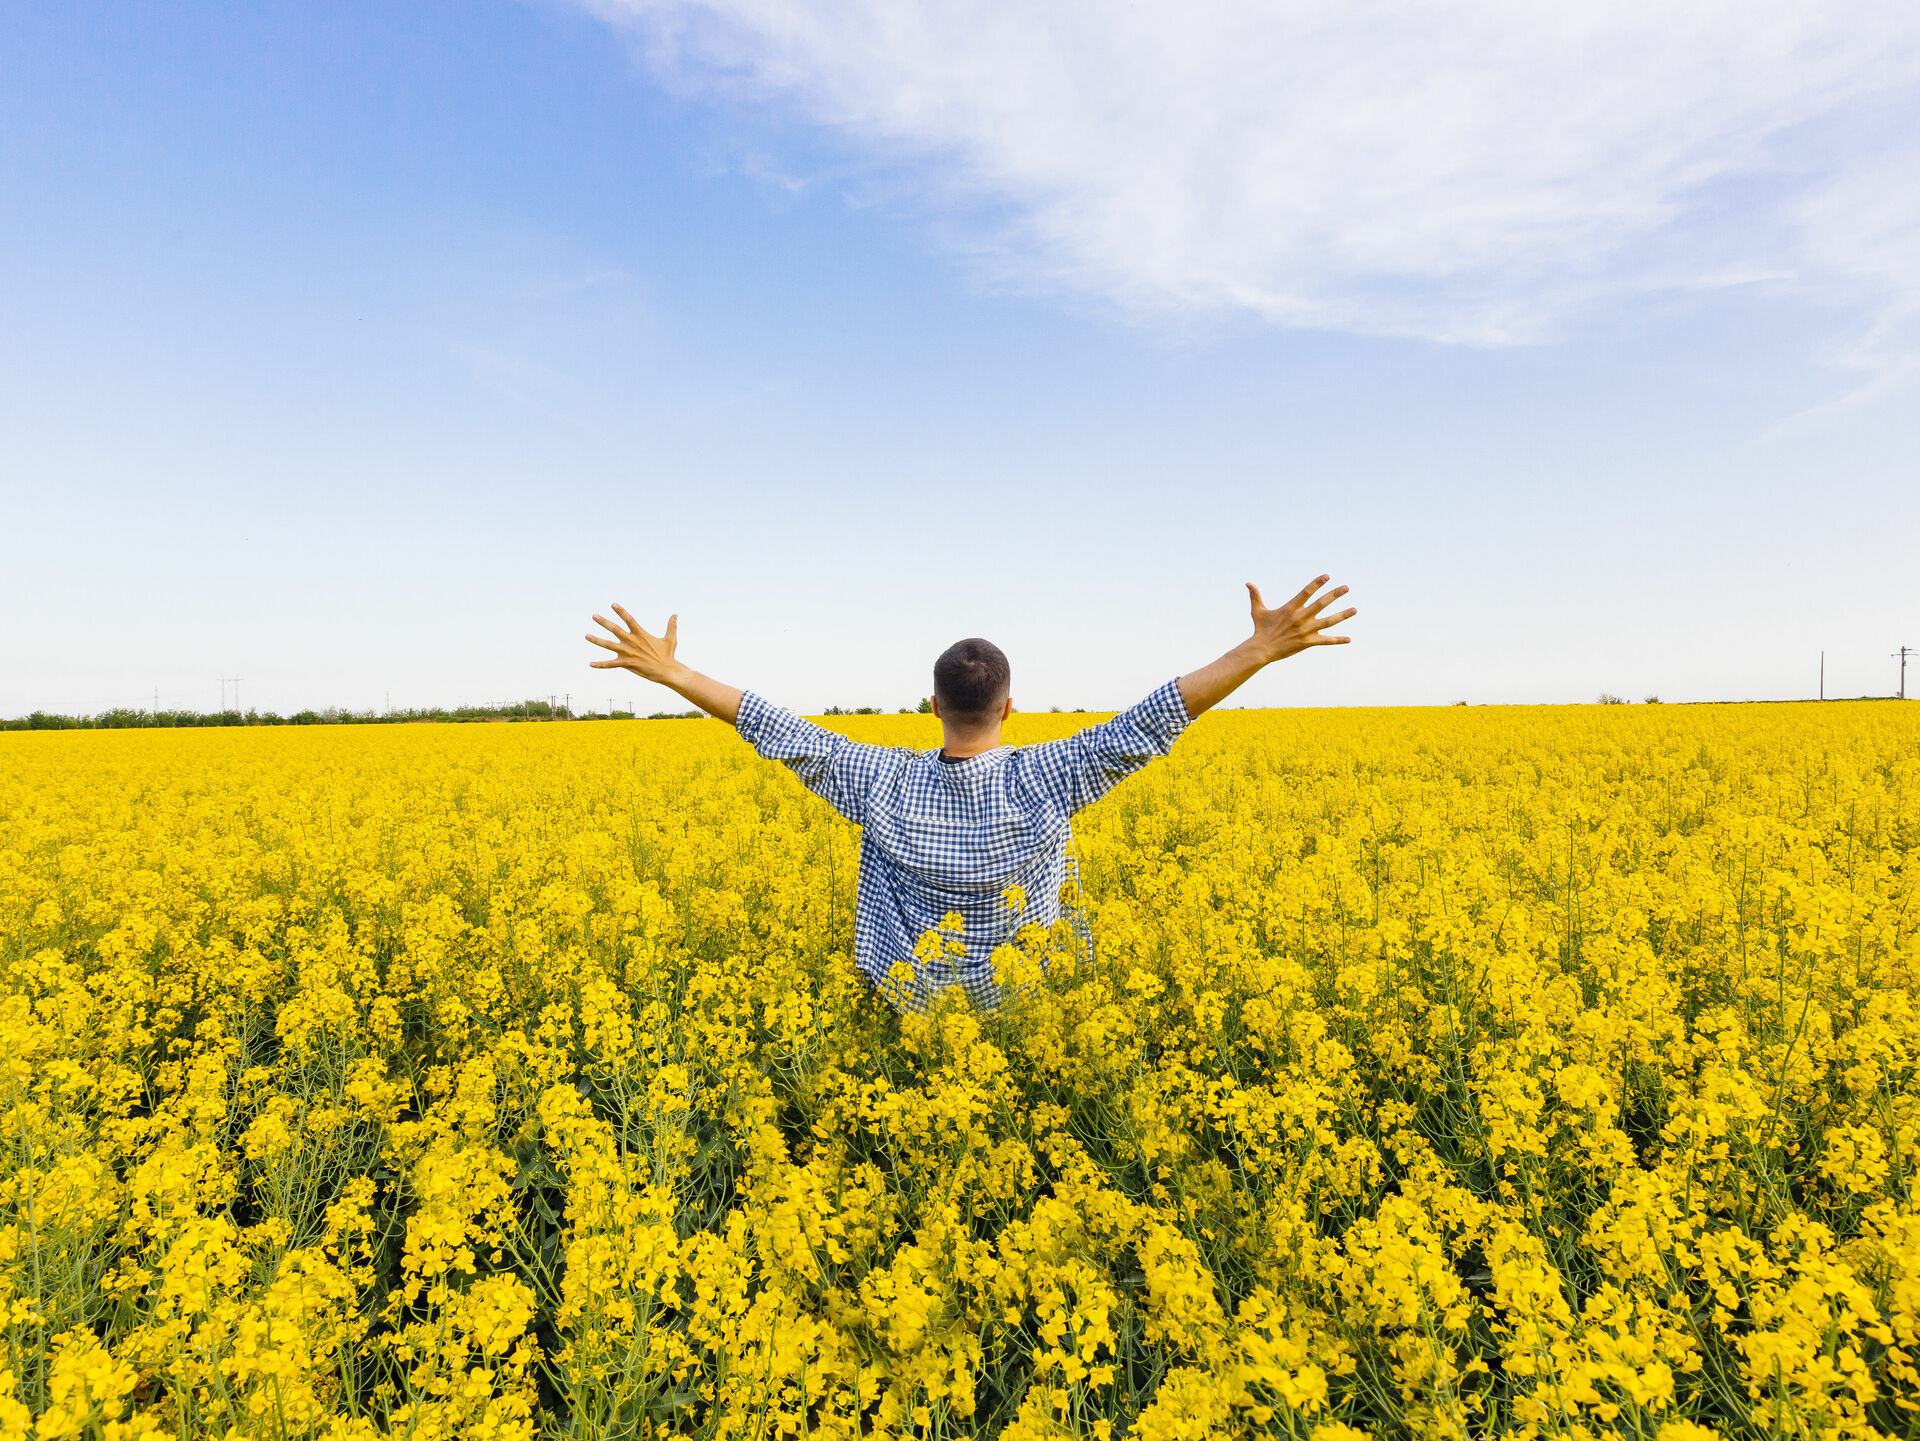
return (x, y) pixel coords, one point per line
(965, 748)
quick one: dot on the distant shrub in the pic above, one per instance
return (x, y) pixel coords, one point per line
(1607, 697)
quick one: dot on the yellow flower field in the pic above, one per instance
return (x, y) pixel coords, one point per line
(1450, 1072)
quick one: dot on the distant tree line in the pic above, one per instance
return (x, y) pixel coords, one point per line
(122, 718)
(924, 708)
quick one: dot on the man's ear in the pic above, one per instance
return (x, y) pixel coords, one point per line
(1006, 709)
(936, 707)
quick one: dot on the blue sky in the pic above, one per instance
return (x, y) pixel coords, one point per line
(362, 351)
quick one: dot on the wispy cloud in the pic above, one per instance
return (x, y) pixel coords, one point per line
(1471, 172)
(1861, 231)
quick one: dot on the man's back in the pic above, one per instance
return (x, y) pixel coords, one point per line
(942, 836)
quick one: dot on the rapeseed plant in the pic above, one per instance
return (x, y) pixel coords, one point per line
(1540, 1073)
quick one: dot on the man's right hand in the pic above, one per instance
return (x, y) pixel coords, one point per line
(647, 656)
(651, 658)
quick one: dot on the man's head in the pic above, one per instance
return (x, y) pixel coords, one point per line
(970, 687)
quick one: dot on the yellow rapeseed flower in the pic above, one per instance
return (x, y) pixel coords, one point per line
(1440, 1073)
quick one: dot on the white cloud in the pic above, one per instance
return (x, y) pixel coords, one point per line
(1468, 172)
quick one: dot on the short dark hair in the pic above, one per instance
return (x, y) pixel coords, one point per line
(970, 680)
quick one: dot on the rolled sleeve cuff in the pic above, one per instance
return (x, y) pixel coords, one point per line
(757, 718)
(1164, 713)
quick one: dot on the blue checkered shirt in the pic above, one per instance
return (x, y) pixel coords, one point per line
(939, 837)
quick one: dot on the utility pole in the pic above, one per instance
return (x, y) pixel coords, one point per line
(569, 706)
(1823, 675)
(1903, 653)
(234, 681)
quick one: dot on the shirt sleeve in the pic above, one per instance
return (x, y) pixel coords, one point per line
(840, 771)
(1075, 772)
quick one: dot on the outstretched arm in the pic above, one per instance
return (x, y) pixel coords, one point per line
(1078, 770)
(839, 770)
(1277, 634)
(651, 658)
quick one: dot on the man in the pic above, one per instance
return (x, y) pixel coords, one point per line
(965, 828)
